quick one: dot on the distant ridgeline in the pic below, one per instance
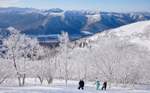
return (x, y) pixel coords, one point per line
(46, 25)
(2, 48)
(3, 34)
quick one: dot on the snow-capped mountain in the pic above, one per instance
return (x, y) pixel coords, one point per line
(133, 29)
(78, 24)
(15, 10)
(136, 33)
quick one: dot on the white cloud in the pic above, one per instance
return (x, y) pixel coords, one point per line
(6, 3)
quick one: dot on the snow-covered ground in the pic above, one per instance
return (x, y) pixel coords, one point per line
(63, 89)
(59, 87)
(138, 32)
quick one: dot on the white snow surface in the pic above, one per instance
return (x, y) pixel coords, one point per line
(93, 18)
(138, 27)
(59, 87)
(64, 90)
(138, 33)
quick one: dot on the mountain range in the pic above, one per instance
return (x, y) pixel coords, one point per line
(137, 34)
(47, 24)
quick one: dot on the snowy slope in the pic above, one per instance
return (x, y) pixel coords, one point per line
(137, 33)
(135, 28)
(58, 86)
(64, 90)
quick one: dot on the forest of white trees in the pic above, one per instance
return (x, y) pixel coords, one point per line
(107, 58)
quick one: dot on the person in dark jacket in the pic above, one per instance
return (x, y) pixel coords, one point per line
(104, 85)
(81, 85)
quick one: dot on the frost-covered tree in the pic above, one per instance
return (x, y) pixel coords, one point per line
(45, 68)
(117, 60)
(6, 70)
(20, 48)
(105, 56)
(64, 49)
(36, 65)
(51, 55)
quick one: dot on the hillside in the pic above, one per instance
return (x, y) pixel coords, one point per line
(117, 53)
(78, 24)
(138, 33)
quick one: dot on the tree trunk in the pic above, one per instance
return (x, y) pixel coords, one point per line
(23, 79)
(19, 81)
(1, 81)
(15, 66)
(41, 79)
(66, 74)
(49, 80)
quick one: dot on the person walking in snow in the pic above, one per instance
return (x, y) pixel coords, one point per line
(104, 85)
(81, 85)
(97, 84)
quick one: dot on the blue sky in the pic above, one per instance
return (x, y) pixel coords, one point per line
(104, 5)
